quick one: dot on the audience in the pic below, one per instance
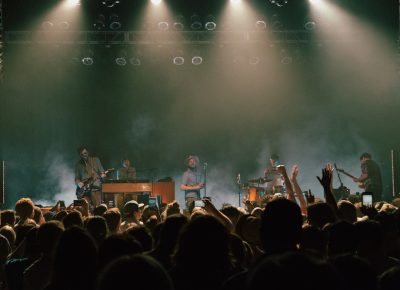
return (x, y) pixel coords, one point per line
(320, 245)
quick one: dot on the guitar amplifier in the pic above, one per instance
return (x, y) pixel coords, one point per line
(341, 192)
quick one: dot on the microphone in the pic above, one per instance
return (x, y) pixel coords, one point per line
(238, 178)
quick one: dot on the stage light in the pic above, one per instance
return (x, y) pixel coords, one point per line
(210, 23)
(110, 3)
(195, 22)
(156, 2)
(286, 58)
(276, 23)
(261, 25)
(87, 60)
(47, 25)
(235, 2)
(115, 23)
(163, 25)
(73, 2)
(135, 61)
(121, 58)
(179, 23)
(197, 60)
(87, 57)
(178, 60)
(310, 25)
(279, 3)
(100, 23)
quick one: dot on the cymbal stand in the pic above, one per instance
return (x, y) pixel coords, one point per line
(205, 178)
(239, 184)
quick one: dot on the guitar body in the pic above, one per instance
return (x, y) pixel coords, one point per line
(88, 186)
(85, 190)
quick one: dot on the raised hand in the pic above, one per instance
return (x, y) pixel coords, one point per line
(294, 173)
(281, 169)
(310, 197)
(326, 179)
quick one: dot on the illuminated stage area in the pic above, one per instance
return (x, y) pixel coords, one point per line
(229, 81)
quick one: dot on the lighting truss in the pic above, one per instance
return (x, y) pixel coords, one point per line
(177, 37)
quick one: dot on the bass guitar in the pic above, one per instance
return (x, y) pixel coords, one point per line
(88, 185)
(360, 184)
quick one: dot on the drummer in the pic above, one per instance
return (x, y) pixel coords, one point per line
(275, 181)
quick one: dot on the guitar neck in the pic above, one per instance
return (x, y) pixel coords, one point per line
(345, 173)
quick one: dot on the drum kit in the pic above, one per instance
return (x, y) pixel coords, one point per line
(257, 188)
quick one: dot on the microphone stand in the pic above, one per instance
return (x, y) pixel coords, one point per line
(205, 179)
(238, 182)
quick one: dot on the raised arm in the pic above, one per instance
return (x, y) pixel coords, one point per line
(297, 189)
(326, 182)
(282, 170)
(210, 209)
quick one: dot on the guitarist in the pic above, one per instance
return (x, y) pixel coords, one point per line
(370, 176)
(88, 175)
(192, 180)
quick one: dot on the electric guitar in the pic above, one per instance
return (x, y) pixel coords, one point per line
(360, 184)
(88, 185)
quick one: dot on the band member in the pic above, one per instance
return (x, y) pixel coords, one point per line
(274, 178)
(370, 176)
(192, 180)
(88, 175)
(126, 172)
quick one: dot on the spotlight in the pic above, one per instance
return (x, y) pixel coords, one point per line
(261, 25)
(276, 22)
(63, 25)
(135, 61)
(156, 2)
(73, 2)
(178, 60)
(121, 58)
(100, 23)
(87, 60)
(197, 60)
(87, 57)
(115, 23)
(163, 25)
(286, 58)
(235, 1)
(47, 25)
(310, 25)
(121, 61)
(210, 23)
(179, 23)
(279, 3)
(110, 3)
(196, 23)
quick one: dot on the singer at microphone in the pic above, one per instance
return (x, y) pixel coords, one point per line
(192, 180)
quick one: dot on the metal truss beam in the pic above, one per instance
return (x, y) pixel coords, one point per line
(162, 37)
